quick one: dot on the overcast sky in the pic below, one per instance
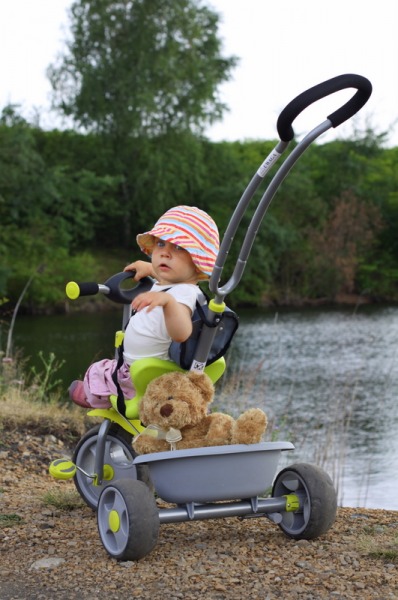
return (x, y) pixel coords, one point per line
(284, 48)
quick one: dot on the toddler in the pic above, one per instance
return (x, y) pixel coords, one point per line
(183, 247)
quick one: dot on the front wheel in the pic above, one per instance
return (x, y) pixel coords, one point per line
(118, 462)
(317, 500)
(128, 520)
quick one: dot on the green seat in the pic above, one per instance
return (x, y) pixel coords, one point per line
(144, 370)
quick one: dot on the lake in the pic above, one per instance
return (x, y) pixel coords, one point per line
(327, 379)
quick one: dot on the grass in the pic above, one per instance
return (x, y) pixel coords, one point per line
(380, 542)
(44, 383)
(19, 412)
(10, 520)
(22, 403)
(66, 500)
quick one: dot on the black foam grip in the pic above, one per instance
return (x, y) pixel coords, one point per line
(301, 102)
(125, 296)
(89, 288)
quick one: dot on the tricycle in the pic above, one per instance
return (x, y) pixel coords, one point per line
(211, 482)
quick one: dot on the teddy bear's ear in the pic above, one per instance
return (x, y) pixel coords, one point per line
(203, 383)
(142, 413)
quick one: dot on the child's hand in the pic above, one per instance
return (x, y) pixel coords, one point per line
(142, 269)
(150, 300)
(177, 316)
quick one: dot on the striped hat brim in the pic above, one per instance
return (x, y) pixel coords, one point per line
(190, 228)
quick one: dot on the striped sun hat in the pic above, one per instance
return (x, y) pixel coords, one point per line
(192, 229)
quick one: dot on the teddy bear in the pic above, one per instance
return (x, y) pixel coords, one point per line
(175, 411)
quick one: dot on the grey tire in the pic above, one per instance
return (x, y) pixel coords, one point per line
(317, 500)
(128, 519)
(119, 456)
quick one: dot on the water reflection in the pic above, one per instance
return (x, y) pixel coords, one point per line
(327, 379)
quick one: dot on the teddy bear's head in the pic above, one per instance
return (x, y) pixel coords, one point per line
(176, 400)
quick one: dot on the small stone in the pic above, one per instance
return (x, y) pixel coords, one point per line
(47, 563)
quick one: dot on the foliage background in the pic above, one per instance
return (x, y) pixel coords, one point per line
(139, 80)
(330, 230)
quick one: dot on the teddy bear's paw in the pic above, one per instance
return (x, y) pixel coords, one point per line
(145, 444)
(250, 427)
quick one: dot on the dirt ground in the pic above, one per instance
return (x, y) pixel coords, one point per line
(214, 559)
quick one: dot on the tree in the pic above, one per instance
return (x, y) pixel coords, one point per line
(141, 67)
(46, 211)
(344, 243)
(22, 181)
(144, 74)
(60, 203)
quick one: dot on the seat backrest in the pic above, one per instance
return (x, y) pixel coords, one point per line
(210, 338)
(144, 370)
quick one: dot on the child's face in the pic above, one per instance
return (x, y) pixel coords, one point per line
(172, 264)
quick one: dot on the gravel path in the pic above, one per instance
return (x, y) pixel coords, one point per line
(216, 559)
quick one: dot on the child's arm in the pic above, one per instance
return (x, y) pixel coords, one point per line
(176, 315)
(142, 269)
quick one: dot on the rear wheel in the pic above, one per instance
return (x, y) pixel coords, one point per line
(128, 519)
(118, 462)
(317, 500)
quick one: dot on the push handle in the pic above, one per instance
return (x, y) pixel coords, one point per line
(111, 288)
(348, 110)
(125, 296)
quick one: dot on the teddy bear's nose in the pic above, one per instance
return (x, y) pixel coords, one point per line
(166, 410)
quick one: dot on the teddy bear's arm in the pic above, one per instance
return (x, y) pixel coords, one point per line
(220, 428)
(250, 427)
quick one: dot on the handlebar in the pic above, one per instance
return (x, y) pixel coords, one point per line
(302, 101)
(111, 288)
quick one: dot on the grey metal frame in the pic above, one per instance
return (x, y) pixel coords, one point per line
(220, 292)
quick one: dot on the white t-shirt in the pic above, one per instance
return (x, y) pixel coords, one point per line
(146, 334)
